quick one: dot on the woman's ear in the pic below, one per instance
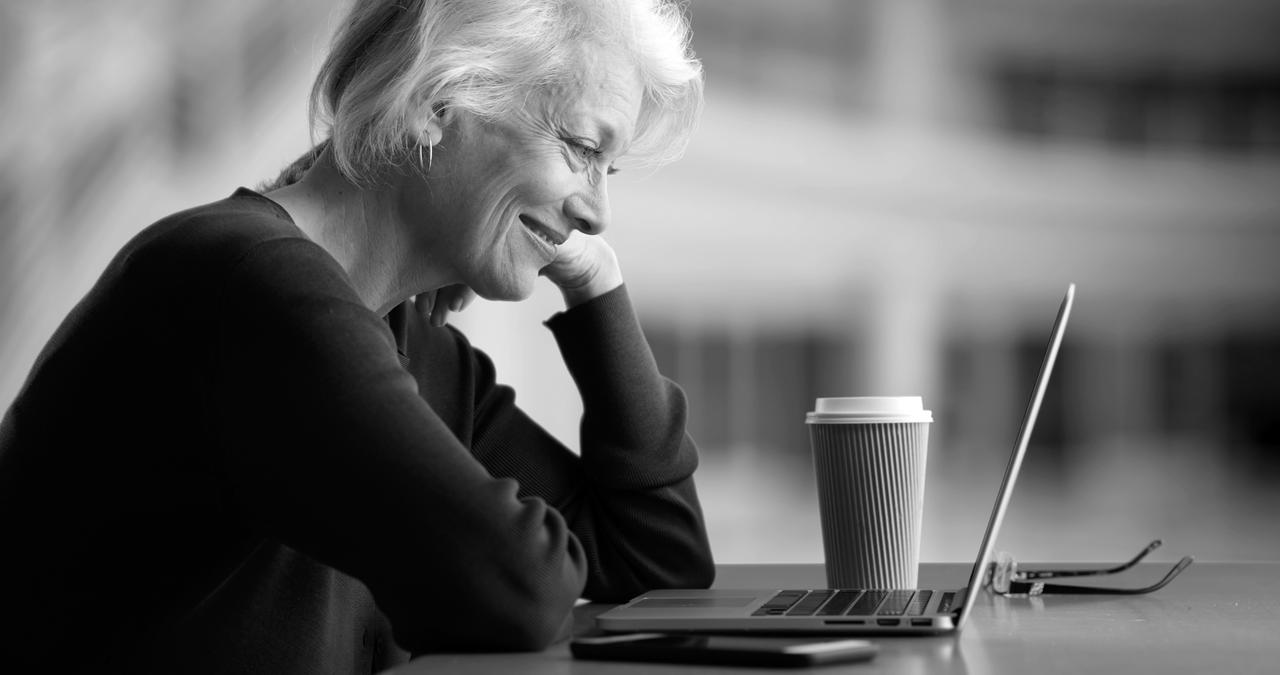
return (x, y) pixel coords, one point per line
(431, 131)
(431, 125)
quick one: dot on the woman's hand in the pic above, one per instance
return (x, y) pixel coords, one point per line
(585, 267)
(435, 306)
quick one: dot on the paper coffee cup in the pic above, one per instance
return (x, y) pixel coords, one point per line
(869, 456)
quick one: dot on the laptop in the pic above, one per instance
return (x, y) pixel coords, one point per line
(840, 611)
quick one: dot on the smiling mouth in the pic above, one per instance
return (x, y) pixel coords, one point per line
(543, 232)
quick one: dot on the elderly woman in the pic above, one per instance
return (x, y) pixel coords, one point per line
(248, 449)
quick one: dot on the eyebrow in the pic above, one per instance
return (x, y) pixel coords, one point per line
(609, 135)
(604, 124)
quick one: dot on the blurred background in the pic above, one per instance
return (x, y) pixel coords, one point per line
(884, 197)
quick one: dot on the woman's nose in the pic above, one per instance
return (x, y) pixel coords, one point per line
(588, 209)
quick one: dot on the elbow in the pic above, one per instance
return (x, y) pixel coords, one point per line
(701, 572)
(694, 566)
(509, 613)
(698, 570)
(519, 592)
(533, 628)
(541, 586)
(534, 613)
(691, 570)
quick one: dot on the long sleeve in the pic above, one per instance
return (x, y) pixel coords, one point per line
(327, 446)
(223, 459)
(630, 497)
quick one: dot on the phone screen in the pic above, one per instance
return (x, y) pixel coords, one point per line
(723, 649)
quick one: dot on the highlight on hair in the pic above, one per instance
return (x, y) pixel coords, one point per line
(295, 170)
(393, 60)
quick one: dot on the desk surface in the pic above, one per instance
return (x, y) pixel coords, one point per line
(1214, 618)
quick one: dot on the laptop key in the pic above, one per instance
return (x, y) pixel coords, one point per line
(810, 604)
(896, 603)
(919, 603)
(945, 605)
(867, 603)
(780, 603)
(839, 603)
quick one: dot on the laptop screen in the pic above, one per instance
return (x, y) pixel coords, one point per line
(1015, 460)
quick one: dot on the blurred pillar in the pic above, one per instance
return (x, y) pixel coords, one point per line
(210, 92)
(902, 345)
(1137, 395)
(991, 409)
(740, 394)
(1199, 393)
(912, 62)
(1114, 399)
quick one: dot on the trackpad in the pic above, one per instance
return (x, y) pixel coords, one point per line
(669, 603)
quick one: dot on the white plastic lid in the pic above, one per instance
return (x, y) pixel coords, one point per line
(869, 410)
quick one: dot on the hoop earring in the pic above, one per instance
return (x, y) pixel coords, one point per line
(430, 158)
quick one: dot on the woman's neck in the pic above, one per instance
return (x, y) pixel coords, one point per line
(362, 230)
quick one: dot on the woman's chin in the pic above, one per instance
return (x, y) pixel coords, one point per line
(511, 289)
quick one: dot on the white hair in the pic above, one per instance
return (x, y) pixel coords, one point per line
(392, 60)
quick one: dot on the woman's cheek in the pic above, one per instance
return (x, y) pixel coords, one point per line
(552, 185)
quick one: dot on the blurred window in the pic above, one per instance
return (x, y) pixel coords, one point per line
(82, 178)
(753, 388)
(12, 245)
(270, 47)
(815, 51)
(1252, 365)
(1236, 111)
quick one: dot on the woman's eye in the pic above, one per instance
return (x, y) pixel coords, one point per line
(589, 154)
(586, 151)
(583, 150)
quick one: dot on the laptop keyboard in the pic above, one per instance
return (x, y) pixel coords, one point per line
(829, 602)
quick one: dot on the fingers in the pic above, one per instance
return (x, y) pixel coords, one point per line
(585, 268)
(424, 303)
(437, 305)
(462, 298)
(575, 259)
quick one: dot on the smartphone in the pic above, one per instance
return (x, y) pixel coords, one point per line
(729, 650)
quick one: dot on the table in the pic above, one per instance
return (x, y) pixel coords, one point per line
(1217, 617)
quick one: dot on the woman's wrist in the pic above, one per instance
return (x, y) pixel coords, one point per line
(585, 268)
(599, 284)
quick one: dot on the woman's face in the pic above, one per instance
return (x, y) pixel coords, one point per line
(501, 195)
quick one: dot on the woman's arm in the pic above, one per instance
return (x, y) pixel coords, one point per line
(325, 445)
(630, 497)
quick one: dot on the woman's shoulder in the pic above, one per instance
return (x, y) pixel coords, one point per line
(225, 228)
(207, 245)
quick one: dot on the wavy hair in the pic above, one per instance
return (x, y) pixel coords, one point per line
(393, 59)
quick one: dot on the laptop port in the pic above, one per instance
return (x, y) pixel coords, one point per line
(888, 622)
(922, 622)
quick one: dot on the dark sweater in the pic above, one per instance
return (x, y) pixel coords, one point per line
(223, 461)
